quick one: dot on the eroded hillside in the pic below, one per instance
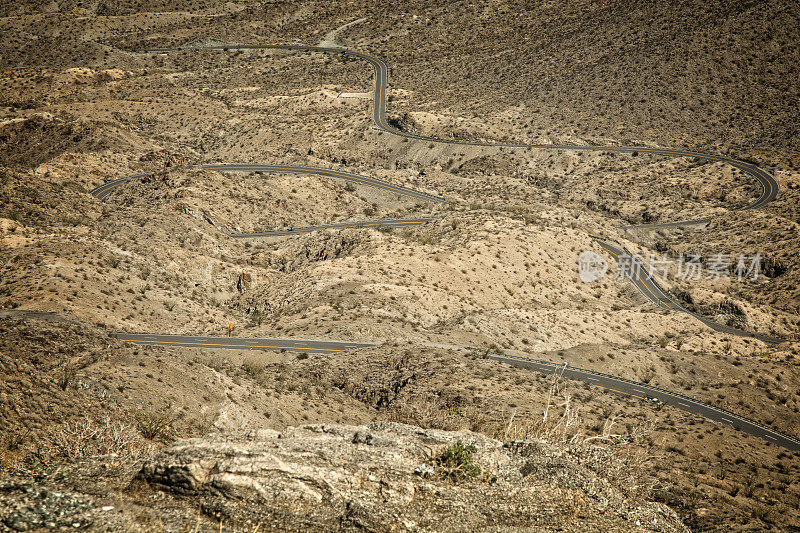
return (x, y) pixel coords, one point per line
(497, 270)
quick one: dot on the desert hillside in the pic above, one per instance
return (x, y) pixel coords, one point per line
(496, 268)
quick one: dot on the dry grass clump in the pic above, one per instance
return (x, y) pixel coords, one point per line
(23, 454)
(88, 437)
(156, 424)
(560, 423)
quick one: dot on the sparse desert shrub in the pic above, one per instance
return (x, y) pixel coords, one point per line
(253, 367)
(258, 371)
(256, 318)
(760, 512)
(648, 374)
(455, 464)
(154, 423)
(750, 486)
(11, 451)
(87, 437)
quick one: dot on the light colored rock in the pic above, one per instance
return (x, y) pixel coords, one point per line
(378, 477)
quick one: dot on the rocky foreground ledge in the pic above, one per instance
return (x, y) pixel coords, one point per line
(387, 477)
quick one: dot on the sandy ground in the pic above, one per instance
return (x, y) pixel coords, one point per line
(499, 268)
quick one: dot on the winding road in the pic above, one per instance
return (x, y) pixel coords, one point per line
(637, 273)
(633, 270)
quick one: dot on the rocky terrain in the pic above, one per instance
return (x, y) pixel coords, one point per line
(79, 107)
(388, 476)
(85, 413)
(377, 477)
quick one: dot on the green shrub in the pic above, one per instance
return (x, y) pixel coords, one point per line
(455, 463)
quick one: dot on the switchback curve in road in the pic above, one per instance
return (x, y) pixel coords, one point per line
(769, 187)
(769, 191)
(637, 273)
(648, 287)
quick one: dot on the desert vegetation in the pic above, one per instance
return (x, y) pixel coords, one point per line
(83, 412)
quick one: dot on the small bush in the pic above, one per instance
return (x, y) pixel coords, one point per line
(256, 318)
(455, 463)
(153, 424)
(258, 371)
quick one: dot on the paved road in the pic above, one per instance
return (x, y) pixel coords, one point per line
(769, 187)
(640, 278)
(643, 282)
(637, 273)
(376, 223)
(642, 391)
(653, 395)
(243, 343)
(102, 191)
(331, 173)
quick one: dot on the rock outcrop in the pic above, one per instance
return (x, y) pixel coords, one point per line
(385, 477)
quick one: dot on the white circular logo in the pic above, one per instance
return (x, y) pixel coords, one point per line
(591, 266)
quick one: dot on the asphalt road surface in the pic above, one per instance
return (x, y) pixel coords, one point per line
(377, 223)
(242, 343)
(102, 191)
(654, 396)
(635, 271)
(331, 173)
(769, 186)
